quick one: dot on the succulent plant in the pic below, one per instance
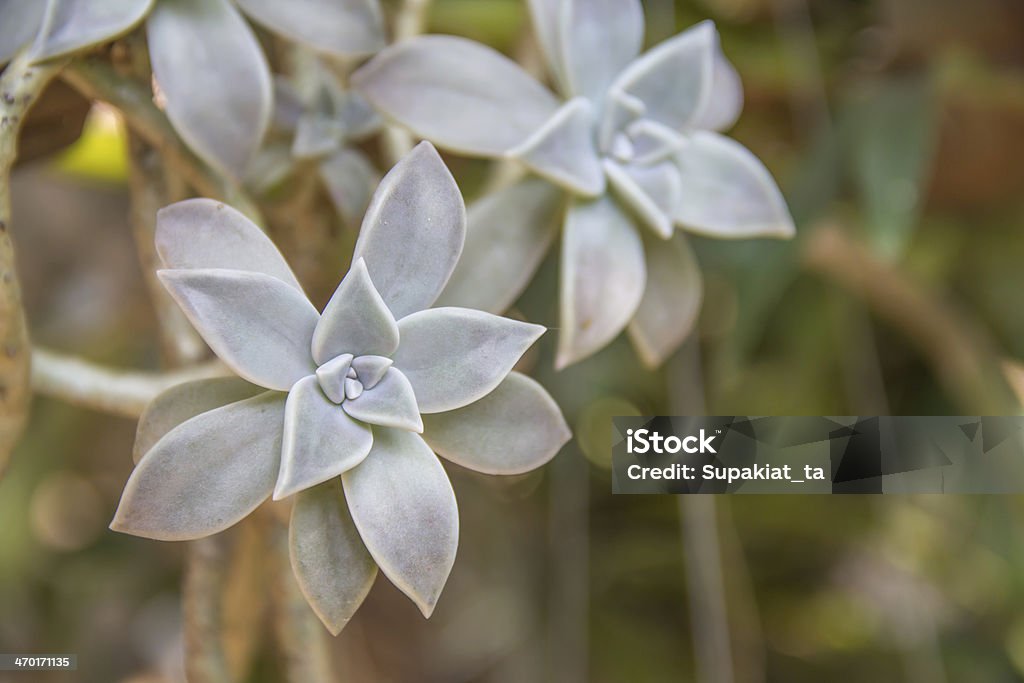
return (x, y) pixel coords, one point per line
(210, 68)
(342, 410)
(634, 142)
(316, 121)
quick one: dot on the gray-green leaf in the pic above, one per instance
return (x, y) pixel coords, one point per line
(507, 235)
(215, 78)
(404, 507)
(344, 28)
(73, 25)
(207, 473)
(488, 435)
(330, 562)
(19, 23)
(462, 95)
(183, 402)
(671, 302)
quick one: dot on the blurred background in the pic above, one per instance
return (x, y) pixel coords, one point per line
(896, 130)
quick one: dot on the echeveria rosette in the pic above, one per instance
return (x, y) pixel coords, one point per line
(211, 70)
(342, 410)
(320, 123)
(633, 140)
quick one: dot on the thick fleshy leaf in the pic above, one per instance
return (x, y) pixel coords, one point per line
(316, 135)
(344, 28)
(727, 192)
(371, 369)
(651, 142)
(215, 79)
(599, 38)
(330, 562)
(460, 94)
(413, 232)
(19, 23)
(547, 22)
(358, 118)
(183, 402)
(652, 192)
(673, 79)
(350, 179)
(602, 277)
(671, 302)
(320, 440)
(72, 25)
(725, 103)
(564, 150)
(391, 403)
(356, 320)
(259, 326)
(207, 473)
(404, 507)
(508, 233)
(332, 376)
(514, 429)
(203, 233)
(454, 356)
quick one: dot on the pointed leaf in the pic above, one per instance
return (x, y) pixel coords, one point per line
(215, 78)
(350, 179)
(514, 429)
(673, 79)
(344, 28)
(564, 150)
(727, 192)
(20, 21)
(332, 376)
(602, 278)
(652, 192)
(316, 135)
(74, 25)
(454, 356)
(460, 94)
(357, 116)
(207, 473)
(203, 233)
(599, 38)
(331, 565)
(651, 142)
(259, 326)
(404, 507)
(390, 403)
(356, 320)
(725, 102)
(371, 369)
(413, 232)
(507, 235)
(184, 401)
(320, 440)
(672, 299)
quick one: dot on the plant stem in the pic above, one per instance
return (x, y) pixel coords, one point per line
(698, 521)
(961, 356)
(569, 539)
(99, 81)
(118, 392)
(205, 577)
(148, 182)
(20, 87)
